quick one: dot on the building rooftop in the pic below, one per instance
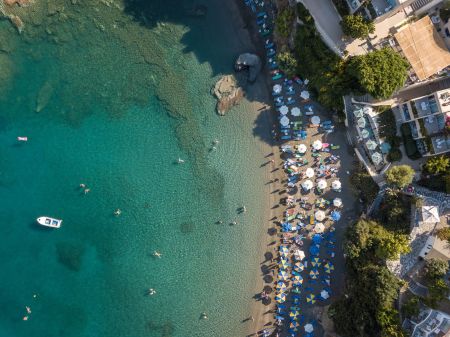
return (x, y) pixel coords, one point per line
(423, 47)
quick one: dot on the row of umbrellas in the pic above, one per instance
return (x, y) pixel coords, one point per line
(308, 184)
(277, 88)
(294, 111)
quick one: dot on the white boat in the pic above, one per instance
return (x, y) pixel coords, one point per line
(49, 222)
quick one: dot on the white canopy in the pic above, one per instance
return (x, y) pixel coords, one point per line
(277, 88)
(302, 148)
(296, 112)
(358, 113)
(309, 328)
(337, 202)
(336, 185)
(315, 120)
(365, 133)
(309, 172)
(307, 184)
(371, 145)
(361, 122)
(284, 121)
(324, 294)
(304, 94)
(322, 184)
(377, 158)
(284, 110)
(319, 215)
(317, 145)
(319, 228)
(299, 254)
(430, 214)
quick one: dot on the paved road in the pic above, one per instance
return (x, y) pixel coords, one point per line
(327, 21)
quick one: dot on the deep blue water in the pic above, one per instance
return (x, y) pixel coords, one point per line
(112, 99)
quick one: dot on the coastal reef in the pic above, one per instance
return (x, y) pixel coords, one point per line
(228, 93)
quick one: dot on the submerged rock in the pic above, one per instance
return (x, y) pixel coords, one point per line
(251, 62)
(17, 22)
(44, 96)
(228, 93)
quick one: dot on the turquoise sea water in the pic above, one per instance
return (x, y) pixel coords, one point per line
(118, 102)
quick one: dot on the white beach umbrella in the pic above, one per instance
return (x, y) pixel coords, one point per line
(336, 185)
(377, 158)
(322, 184)
(319, 228)
(324, 294)
(315, 120)
(365, 133)
(361, 122)
(309, 172)
(284, 110)
(371, 145)
(309, 328)
(277, 88)
(304, 94)
(367, 110)
(296, 112)
(284, 121)
(302, 148)
(299, 254)
(337, 202)
(358, 113)
(306, 81)
(317, 145)
(307, 184)
(319, 215)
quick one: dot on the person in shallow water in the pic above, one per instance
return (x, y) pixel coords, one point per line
(157, 254)
(117, 212)
(151, 291)
(203, 315)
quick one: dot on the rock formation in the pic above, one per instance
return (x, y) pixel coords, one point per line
(251, 62)
(228, 93)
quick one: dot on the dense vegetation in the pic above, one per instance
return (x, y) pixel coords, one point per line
(284, 22)
(410, 144)
(388, 132)
(400, 176)
(435, 270)
(436, 174)
(342, 7)
(287, 62)
(367, 309)
(357, 27)
(363, 184)
(395, 212)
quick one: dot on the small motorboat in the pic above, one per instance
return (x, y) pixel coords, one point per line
(49, 222)
(22, 139)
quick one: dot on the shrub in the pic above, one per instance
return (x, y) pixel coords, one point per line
(303, 14)
(287, 62)
(394, 155)
(400, 176)
(357, 27)
(438, 164)
(435, 269)
(342, 7)
(284, 21)
(443, 233)
(412, 307)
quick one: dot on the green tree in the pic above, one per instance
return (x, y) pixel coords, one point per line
(357, 27)
(443, 233)
(411, 308)
(380, 73)
(284, 21)
(438, 164)
(400, 176)
(287, 63)
(436, 268)
(437, 291)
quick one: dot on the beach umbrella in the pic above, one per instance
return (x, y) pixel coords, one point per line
(284, 110)
(309, 172)
(377, 158)
(309, 328)
(285, 264)
(358, 113)
(314, 250)
(336, 185)
(294, 324)
(283, 275)
(322, 184)
(365, 133)
(324, 294)
(296, 112)
(299, 266)
(314, 272)
(280, 298)
(277, 88)
(361, 123)
(367, 110)
(335, 215)
(337, 202)
(297, 279)
(319, 227)
(307, 184)
(284, 249)
(329, 266)
(294, 313)
(317, 145)
(315, 262)
(302, 148)
(304, 94)
(311, 299)
(371, 145)
(315, 120)
(284, 121)
(299, 254)
(281, 287)
(317, 238)
(319, 215)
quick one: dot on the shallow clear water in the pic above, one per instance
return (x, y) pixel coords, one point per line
(113, 108)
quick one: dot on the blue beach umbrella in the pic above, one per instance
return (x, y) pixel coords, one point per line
(317, 239)
(297, 279)
(294, 313)
(294, 325)
(314, 250)
(281, 286)
(315, 262)
(335, 216)
(311, 299)
(280, 318)
(280, 298)
(283, 275)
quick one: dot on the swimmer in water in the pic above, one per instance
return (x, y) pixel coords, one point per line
(157, 254)
(87, 190)
(117, 212)
(151, 291)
